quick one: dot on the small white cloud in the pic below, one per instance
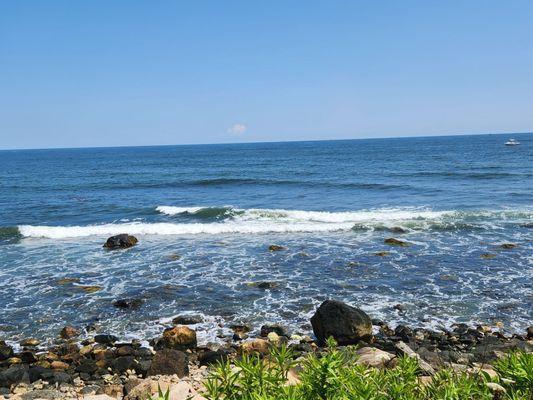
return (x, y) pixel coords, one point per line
(237, 129)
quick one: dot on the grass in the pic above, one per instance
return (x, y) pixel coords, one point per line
(334, 376)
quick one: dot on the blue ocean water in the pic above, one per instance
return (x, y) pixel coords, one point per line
(205, 216)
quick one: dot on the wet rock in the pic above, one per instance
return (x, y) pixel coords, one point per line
(106, 339)
(121, 241)
(278, 329)
(187, 320)
(27, 357)
(30, 343)
(67, 281)
(179, 338)
(397, 229)
(128, 304)
(346, 324)
(89, 288)
(59, 365)
(266, 285)
(396, 242)
(5, 351)
(403, 332)
(508, 246)
(255, 346)
(382, 253)
(275, 247)
(69, 332)
(37, 372)
(169, 362)
(529, 332)
(399, 307)
(487, 256)
(87, 366)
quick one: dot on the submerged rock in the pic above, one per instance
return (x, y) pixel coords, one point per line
(187, 320)
(396, 242)
(121, 241)
(382, 253)
(508, 246)
(68, 332)
(346, 324)
(276, 247)
(487, 256)
(128, 304)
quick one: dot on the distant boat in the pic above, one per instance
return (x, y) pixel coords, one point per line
(512, 142)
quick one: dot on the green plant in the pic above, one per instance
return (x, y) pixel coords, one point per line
(335, 375)
(161, 395)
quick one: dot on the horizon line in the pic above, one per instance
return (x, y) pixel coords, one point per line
(264, 141)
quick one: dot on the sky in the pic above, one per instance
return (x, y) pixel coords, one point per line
(118, 73)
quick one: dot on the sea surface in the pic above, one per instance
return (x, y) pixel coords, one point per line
(205, 216)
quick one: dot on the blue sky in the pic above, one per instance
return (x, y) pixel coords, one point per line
(106, 73)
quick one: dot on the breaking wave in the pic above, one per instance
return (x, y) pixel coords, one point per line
(227, 220)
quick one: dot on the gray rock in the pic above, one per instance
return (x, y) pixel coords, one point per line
(346, 324)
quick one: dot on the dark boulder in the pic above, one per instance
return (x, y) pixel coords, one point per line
(396, 242)
(346, 324)
(187, 320)
(212, 357)
(280, 330)
(276, 247)
(122, 364)
(37, 372)
(14, 374)
(105, 339)
(122, 241)
(5, 351)
(128, 304)
(530, 332)
(169, 362)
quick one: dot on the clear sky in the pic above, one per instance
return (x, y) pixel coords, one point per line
(106, 73)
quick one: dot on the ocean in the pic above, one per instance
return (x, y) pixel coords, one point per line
(205, 216)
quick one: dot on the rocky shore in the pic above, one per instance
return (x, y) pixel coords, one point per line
(102, 367)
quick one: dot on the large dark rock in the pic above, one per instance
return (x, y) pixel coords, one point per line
(169, 362)
(105, 339)
(5, 351)
(128, 304)
(346, 324)
(121, 241)
(14, 374)
(278, 329)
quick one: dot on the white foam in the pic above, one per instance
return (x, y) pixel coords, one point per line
(171, 210)
(256, 221)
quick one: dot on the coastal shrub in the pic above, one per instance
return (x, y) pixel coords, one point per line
(161, 395)
(333, 375)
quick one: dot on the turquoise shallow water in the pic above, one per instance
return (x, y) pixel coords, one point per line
(205, 216)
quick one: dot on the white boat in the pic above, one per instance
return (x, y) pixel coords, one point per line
(512, 142)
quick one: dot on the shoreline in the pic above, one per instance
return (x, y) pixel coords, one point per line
(98, 363)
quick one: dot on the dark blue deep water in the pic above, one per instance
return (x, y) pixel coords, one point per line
(205, 216)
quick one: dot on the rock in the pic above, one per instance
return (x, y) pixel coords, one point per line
(181, 391)
(403, 332)
(487, 256)
(106, 339)
(212, 357)
(396, 242)
(260, 346)
(59, 365)
(407, 351)
(508, 246)
(280, 330)
(30, 343)
(122, 364)
(5, 351)
(121, 241)
(14, 374)
(99, 397)
(275, 247)
(179, 338)
(273, 337)
(27, 357)
(382, 253)
(346, 324)
(89, 288)
(187, 320)
(397, 229)
(169, 362)
(265, 285)
(87, 366)
(128, 304)
(495, 388)
(530, 332)
(69, 332)
(373, 357)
